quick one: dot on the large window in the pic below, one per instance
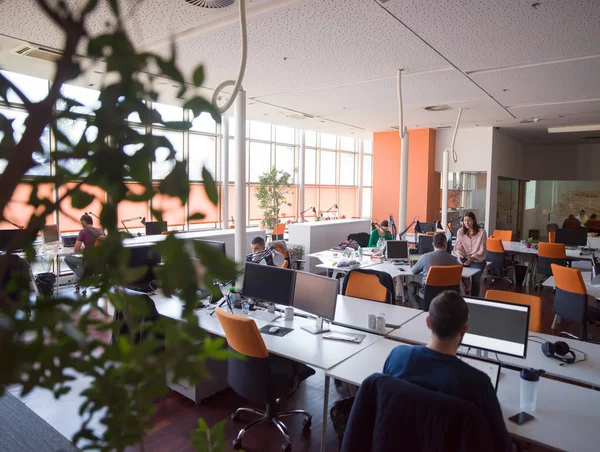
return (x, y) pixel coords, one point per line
(333, 167)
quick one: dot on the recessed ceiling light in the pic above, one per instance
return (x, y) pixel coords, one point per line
(586, 128)
(438, 108)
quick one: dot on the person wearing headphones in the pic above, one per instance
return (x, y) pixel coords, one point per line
(379, 233)
(260, 254)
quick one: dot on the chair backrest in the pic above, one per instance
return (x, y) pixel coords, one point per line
(362, 238)
(422, 419)
(535, 303)
(570, 300)
(439, 279)
(593, 224)
(551, 236)
(551, 227)
(281, 248)
(548, 254)
(503, 234)
(571, 224)
(242, 334)
(278, 229)
(495, 253)
(425, 244)
(369, 285)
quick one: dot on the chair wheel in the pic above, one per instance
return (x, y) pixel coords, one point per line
(287, 447)
(307, 423)
(237, 444)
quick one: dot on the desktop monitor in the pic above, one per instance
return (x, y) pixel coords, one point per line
(50, 234)
(144, 255)
(425, 244)
(572, 237)
(6, 236)
(497, 326)
(428, 227)
(155, 227)
(268, 284)
(316, 295)
(219, 246)
(397, 249)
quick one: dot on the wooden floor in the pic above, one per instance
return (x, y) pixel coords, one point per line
(176, 416)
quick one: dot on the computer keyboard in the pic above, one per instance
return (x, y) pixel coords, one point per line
(265, 315)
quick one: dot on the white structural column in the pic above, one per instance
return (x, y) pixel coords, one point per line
(403, 180)
(445, 166)
(240, 180)
(301, 170)
(361, 163)
(225, 170)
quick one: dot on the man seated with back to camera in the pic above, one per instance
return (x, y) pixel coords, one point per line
(436, 366)
(439, 257)
(258, 255)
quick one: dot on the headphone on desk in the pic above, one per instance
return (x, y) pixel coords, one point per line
(558, 350)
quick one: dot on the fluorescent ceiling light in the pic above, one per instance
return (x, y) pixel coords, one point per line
(567, 129)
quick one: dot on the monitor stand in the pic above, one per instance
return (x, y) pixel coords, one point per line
(318, 328)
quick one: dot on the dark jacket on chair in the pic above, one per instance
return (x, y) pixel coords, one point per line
(392, 415)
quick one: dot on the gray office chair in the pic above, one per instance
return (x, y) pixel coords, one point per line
(260, 377)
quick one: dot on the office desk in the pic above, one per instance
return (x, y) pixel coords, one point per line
(566, 415)
(353, 313)
(415, 331)
(592, 289)
(298, 345)
(331, 264)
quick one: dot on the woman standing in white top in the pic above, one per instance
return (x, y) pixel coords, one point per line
(471, 248)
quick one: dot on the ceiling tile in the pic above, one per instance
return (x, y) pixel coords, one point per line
(556, 110)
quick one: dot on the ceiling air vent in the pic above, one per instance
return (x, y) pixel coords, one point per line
(211, 3)
(438, 108)
(300, 116)
(40, 53)
(444, 127)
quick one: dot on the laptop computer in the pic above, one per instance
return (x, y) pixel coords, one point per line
(68, 241)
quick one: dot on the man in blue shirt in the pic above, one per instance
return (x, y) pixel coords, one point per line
(437, 368)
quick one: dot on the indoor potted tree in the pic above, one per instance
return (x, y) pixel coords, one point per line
(271, 194)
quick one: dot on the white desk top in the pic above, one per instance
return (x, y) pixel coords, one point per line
(565, 413)
(208, 234)
(587, 372)
(298, 345)
(517, 247)
(331, 264)
(353, 312)
(593, 290)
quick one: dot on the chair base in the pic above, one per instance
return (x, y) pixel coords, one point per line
(275, 419)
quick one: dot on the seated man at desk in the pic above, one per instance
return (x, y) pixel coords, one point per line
(86, 239)
(437, 368)
(439, 257)
(260, 254)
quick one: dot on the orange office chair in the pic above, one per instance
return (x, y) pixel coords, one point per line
(440, 278)
(369, 285)
(535, 303)
(260, 377)
(430, 233)
(551, 236)
(278, 231)
(497, 261)
(503, 234)
(549, 253)
(571, 301)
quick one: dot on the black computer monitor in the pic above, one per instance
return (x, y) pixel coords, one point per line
(50, 234)
(497, 326)
(425, 244)
(143, 255)
(428, 227)
(268, 284)
(155, 227)
(316, 295)
(7, 235)
(396, 249)
(571, 237)
(219, 246)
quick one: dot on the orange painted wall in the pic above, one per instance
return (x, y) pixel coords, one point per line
(423, 181)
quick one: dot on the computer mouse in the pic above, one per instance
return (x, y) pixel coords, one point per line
(273, 329)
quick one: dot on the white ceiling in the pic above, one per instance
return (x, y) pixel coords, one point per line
(337, 59)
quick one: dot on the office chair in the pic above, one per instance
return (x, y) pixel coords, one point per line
(571, 301)
(362, 238)
(390, 414)
(571, 224)
(497, 261)
(439, 279)
(503, 234)
(369, 285)
(535, 303)
(278, 231)
(260, 377)
(425, 244)
(549, 253)
(282, 247)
